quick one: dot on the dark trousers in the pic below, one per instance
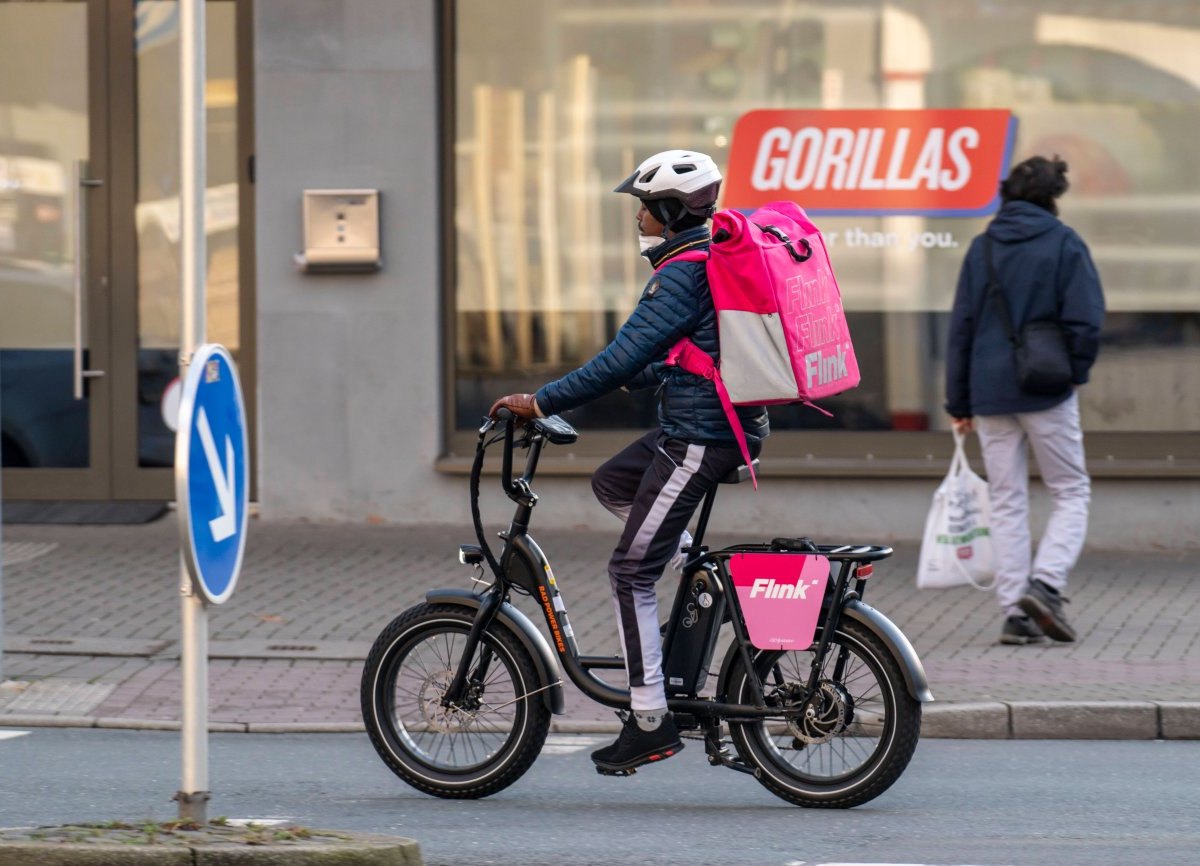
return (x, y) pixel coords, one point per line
(654, 485)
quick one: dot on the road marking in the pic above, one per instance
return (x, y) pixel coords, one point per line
(9, 735)
(569, 744)
(257, 822)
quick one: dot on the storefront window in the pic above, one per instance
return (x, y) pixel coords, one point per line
(556, 101)
(159, 253)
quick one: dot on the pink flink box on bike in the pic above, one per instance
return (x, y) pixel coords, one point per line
(780, 596)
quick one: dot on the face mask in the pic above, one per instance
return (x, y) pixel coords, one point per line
(648, 242)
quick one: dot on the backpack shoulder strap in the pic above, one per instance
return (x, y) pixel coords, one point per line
(686, 355)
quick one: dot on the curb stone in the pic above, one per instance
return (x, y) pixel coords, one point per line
(966, 721)
(1020, 720)
(334, 849)
(306, 728)
(1081, 720)
(1179, 720)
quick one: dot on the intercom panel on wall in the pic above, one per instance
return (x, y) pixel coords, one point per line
(341, 231)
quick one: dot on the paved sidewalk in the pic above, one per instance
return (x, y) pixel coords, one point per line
(92, 622)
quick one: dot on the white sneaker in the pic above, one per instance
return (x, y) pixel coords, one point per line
(680, 558)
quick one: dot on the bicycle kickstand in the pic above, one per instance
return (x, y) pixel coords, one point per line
(718, 751)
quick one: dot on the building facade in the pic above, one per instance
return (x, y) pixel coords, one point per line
(494, 133)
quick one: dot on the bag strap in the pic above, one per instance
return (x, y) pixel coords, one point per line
(959, 465)
(688, 356)
(959, 461)
(996, 291)
(787, 242)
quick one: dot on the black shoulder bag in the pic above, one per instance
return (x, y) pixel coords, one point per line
(1039, 349)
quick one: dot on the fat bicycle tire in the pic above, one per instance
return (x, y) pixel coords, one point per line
(891, 712)
(405, 675)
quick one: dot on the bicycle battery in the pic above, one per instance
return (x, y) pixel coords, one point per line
(692, 633)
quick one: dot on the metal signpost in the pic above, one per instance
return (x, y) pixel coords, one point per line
(212, 495)
(211, 455)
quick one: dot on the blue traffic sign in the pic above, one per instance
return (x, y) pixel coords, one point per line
(211, 472)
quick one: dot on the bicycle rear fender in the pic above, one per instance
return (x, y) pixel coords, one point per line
(896, 641)
(526, 632)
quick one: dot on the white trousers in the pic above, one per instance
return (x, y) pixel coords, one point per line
(1057, 442)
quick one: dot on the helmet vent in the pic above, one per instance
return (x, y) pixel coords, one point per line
(648, 176)
(684, 169)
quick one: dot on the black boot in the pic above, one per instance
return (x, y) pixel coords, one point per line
(635, 747)
(1043, 602)
(1021, 630)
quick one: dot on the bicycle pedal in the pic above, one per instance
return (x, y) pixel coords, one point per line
(605, 772)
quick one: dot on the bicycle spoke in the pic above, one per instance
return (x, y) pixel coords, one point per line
(854, 739)
(461, 737)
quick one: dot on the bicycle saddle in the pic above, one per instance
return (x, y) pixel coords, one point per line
(736, 476)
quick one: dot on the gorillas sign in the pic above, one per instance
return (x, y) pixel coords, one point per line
(933, 162)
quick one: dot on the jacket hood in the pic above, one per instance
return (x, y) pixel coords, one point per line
(1020, 221)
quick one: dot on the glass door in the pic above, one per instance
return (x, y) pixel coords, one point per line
(90, 234)
(158, 275)
(54, 396)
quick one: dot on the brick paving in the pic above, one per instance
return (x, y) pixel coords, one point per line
(332, 588)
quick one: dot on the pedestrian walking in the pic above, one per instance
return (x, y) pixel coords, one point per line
(1024, 333)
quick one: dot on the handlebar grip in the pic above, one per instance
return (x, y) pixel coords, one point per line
(503, 414)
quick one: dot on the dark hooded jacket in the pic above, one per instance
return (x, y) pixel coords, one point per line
(1046, 273)
(675, 303)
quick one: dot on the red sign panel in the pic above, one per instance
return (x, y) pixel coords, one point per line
(935, 162)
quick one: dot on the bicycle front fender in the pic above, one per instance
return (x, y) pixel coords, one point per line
(896, 641)
(526, 632)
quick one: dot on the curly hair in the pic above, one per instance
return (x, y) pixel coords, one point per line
(1037, 180)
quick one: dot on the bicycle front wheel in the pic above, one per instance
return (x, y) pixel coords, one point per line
(853, 739)
(474, 748)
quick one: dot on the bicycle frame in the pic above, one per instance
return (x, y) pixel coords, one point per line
(523, 565)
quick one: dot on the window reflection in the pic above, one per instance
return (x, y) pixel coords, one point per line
(157, 212)
(556, 101)
(43, 134)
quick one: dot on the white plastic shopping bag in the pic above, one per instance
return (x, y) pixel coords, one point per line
(957, 546)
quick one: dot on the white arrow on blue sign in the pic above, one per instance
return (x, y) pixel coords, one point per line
(211, 472)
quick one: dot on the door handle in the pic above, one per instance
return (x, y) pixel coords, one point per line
(82, 182)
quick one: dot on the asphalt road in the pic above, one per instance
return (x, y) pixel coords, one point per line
(987, 803)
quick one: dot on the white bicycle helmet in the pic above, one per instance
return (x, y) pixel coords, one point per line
(688, 176)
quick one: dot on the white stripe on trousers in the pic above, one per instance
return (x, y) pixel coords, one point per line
(650, 694)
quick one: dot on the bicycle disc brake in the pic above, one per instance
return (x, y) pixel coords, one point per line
(826, 715)
(440, 718)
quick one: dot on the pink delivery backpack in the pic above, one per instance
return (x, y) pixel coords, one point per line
(780, 321)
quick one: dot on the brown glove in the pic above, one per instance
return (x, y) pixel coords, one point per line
(521, 405)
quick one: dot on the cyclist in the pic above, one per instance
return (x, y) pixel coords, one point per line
(656, 483)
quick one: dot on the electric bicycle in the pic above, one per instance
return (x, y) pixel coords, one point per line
(818, 695)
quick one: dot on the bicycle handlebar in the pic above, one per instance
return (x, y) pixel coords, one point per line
(510, 424)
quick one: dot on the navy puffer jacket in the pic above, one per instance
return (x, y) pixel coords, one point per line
(675, 303)
(1047, 274)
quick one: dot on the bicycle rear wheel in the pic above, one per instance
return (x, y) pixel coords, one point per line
(474, 749)
(854, 740)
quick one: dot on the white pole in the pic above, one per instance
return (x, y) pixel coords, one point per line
(193, 797)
